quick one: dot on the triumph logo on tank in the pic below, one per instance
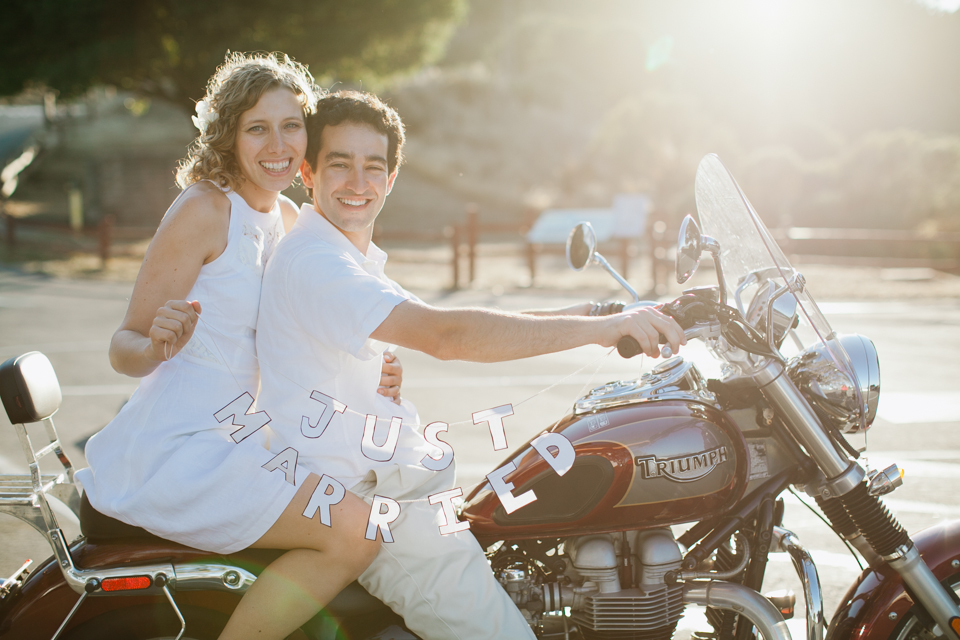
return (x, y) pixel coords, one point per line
(682, 468)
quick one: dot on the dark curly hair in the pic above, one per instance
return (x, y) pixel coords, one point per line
(236, 87)
(358, 107)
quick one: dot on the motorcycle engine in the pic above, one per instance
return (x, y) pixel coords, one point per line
(612, 585)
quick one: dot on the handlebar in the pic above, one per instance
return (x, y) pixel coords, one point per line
(628, 346)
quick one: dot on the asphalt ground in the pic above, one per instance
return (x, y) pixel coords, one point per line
(72, 320)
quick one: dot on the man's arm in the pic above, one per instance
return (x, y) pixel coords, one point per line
(481, 335)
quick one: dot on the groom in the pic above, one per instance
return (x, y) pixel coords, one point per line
(328, 312)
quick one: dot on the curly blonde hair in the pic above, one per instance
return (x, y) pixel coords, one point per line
(234, 88)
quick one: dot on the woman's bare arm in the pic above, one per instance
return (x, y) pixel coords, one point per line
(159, 322)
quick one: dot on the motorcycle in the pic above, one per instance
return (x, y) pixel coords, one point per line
(595, 555)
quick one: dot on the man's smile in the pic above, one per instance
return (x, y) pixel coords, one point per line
(354, 202)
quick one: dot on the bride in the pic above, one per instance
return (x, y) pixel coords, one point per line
(182, 459)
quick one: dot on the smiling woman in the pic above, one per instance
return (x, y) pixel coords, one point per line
(168, 462)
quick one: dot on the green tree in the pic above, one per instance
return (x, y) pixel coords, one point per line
(169, 48)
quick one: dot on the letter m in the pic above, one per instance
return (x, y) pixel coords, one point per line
(249, 423)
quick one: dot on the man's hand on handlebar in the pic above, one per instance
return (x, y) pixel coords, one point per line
(644, 330)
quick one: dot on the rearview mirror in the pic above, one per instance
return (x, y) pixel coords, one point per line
(689, 248)
(581, 246)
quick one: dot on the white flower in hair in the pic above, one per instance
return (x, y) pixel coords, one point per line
(205, 115)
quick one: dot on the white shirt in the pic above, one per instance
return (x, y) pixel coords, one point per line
(321, 300)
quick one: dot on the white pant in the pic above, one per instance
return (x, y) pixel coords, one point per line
(441, 585)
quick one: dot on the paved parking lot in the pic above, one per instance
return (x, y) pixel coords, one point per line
(72, 321)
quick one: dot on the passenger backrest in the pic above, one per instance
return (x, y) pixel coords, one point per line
(29, 388)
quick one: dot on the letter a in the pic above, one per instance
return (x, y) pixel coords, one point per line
(322, 501)
(494, 418)
(380, 519)
(383, 452)
(316, 430)
(503, 488)
(430, 435)
(286, 460)
(250, 422)
(563, 460)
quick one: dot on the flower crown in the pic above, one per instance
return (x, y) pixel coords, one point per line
(205, 115)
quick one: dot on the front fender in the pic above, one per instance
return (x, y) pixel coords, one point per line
(865, 611)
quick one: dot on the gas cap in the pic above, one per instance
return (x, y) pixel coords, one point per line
(668, 365)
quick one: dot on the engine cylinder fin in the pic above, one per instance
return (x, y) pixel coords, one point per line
(631, 614)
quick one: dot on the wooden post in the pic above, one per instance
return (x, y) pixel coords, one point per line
(532, 261)
(105, 234)
(455, 255)
(10, 223)
(473, 223)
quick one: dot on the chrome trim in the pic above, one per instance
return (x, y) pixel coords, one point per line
(741, 600)
(212, 577)
(862, 354)
(860, 544)
(844, 483)
(807, 572)
(673, 379)
(921, 582)
(176, 610)
(801, 420)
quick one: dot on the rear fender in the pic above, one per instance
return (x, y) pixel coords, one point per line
(45, 598)
(875, 605)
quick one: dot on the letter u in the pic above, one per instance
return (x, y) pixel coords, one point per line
(385, 451)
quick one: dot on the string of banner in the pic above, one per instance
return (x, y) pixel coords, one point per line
(555, 449)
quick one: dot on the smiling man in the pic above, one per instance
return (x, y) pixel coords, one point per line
(328, 312)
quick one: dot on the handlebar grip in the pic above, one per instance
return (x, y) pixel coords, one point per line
(628, 347)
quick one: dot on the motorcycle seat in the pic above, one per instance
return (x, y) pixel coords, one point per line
(109, 540)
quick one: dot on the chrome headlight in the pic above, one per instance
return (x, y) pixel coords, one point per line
(832, 391)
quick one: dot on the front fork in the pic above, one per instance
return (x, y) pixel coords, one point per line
(846, 483)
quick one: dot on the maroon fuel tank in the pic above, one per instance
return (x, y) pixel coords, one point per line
(645, 465)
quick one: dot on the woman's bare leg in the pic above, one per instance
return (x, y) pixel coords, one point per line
(321, 562)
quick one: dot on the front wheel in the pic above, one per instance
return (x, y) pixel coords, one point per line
(916, 624)
(150, 622)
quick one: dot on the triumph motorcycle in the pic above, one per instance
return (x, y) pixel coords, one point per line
(672, 498)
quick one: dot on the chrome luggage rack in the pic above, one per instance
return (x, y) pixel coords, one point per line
(31, 393)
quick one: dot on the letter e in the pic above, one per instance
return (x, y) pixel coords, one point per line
(503, 488)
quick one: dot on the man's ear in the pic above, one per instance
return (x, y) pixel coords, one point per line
(306, 173)
(393, 177)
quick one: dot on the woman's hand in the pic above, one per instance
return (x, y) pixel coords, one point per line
(172, 329)
(391, 377)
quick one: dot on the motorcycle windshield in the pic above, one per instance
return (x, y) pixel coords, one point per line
(749, 257)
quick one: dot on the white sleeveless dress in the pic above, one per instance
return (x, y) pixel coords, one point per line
(166, 463)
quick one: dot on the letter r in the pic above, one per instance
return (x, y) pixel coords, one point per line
(380, 519)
